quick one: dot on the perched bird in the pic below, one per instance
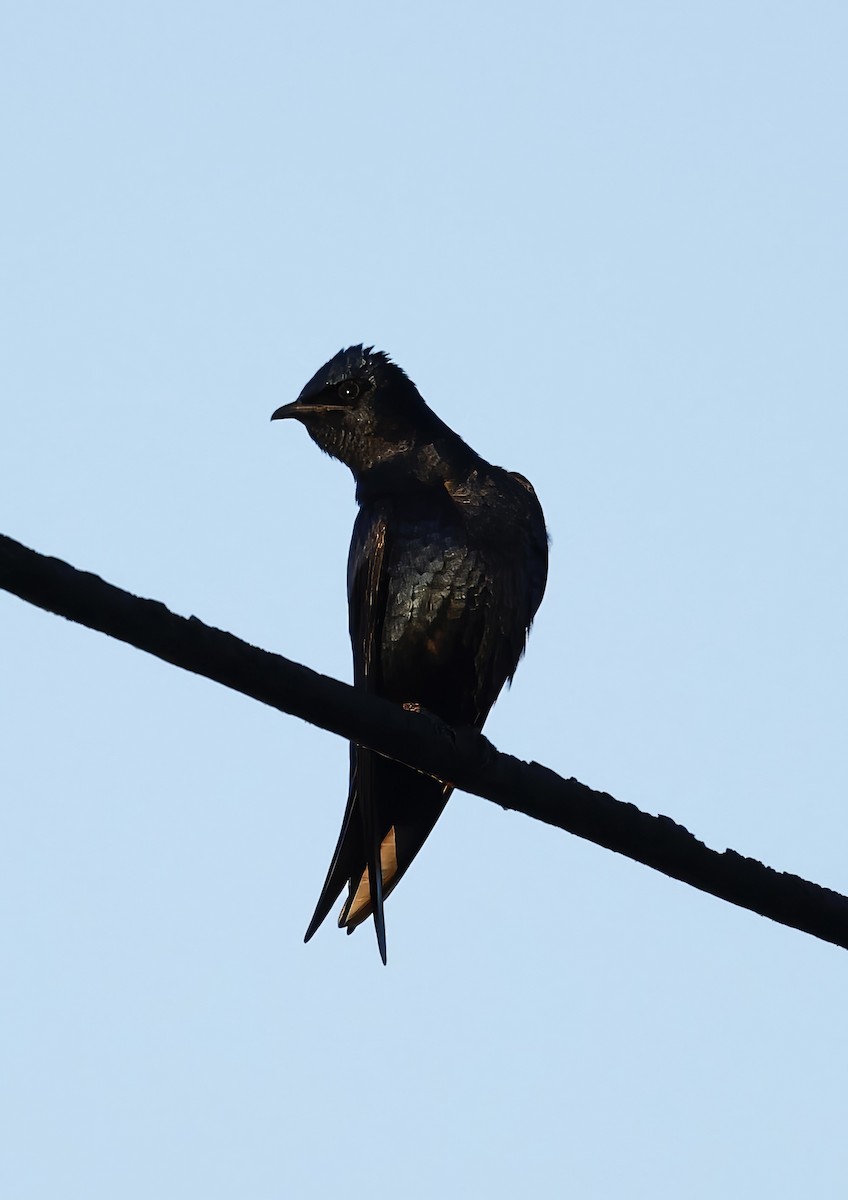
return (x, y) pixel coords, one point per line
(447, 567)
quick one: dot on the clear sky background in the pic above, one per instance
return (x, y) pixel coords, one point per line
(608, 241)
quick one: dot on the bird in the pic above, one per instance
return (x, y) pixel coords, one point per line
(447, 567)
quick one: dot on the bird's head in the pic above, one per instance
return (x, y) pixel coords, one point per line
(362, 409)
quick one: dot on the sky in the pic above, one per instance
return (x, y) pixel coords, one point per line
(608, 242)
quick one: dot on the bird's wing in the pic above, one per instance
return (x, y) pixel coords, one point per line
(359, 850)
(498, 636)
(391, 809)
(366, 595)
(398, 807)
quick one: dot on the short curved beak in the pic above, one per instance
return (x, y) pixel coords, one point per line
(297, 409)
(287, 410)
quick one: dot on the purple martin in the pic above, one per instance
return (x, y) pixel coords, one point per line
(446, 570)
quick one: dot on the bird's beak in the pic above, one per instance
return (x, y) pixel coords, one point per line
(297, 409)
(287, 410)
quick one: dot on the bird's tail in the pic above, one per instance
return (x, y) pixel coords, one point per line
(404, 805)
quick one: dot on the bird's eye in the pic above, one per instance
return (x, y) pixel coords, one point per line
(348, 390)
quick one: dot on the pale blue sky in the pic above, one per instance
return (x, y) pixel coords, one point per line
(608, 241)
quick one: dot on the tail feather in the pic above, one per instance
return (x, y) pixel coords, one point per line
(347, 859)
(372, 836)
(357, 907)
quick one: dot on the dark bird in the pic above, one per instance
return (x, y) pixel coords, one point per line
(447, 567)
